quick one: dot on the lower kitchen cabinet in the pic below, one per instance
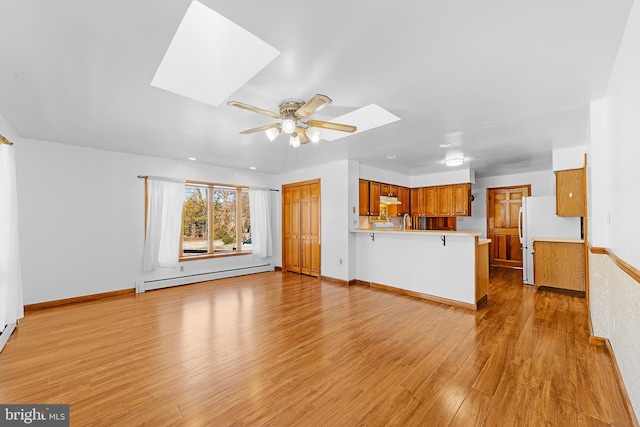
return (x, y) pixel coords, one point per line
(559, 264)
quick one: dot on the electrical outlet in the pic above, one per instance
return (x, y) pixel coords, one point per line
(340, 262)
(182, 268)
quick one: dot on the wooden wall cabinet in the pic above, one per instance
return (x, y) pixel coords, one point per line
(461, 199)
(389, 190)
(570, 192)
(301, 227)
(363, 197)
(374, 198)
(414, 196)
(444, 200)
(435, 201)
(430, 201)
(559, 265)
(405, 201)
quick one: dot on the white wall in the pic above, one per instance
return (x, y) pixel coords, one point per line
(444, 178)
(614, 177)
(542, 184)
(82, 218)
(381, 175)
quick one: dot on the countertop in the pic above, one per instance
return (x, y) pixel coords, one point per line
(419, 232)
(557, 240)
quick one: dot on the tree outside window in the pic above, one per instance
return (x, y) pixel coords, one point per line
(216, 220)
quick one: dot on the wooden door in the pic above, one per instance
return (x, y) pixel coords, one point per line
(364, 197)
(503, 207)
(301, 227)
(291, 228)
(310, 229)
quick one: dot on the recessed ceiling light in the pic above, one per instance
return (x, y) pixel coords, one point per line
(192, 158)
(445, 145)
(391, 156)
(252, 168)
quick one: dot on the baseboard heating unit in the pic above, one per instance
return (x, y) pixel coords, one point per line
(167, 282)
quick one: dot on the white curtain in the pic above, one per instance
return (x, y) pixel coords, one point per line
(164, 221)
(260, 211)
(11, 305)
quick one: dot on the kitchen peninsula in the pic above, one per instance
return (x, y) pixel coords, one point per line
(450, 267)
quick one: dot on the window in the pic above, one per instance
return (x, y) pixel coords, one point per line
(215, 220)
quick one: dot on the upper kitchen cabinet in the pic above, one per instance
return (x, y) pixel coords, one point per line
(461, 199)
(374, 198)
(444, 200)
(429, 201)
(369, 195)
(405, 201)
(389, 190)
(363, 197)
(570, 192)
(414, 205)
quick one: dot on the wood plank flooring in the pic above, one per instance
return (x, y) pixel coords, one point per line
(281, 349)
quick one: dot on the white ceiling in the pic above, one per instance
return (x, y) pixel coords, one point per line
(513, 78)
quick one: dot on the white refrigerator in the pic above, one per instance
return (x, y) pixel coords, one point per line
(538, 219)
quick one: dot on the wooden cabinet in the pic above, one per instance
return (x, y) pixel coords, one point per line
(559, 265)
(405, 201)
(461, 199)
(414, 196)
(374, 198)
(363, 197)
(570, 192)
(430, 201)
(444, 200)
(301, 227)
(389, 190)
(435, 201)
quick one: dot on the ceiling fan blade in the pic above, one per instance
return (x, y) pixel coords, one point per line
(332, 126)
(316, 103)
(272, 125)
(254, 109)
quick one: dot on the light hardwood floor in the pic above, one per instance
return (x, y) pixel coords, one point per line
(281, 349)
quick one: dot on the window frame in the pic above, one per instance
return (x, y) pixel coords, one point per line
(211, 187)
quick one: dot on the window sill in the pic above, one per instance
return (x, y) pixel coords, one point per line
(211, 256)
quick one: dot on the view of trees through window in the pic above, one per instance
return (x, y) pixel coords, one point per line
(210, 220)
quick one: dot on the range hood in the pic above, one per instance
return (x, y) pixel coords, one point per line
(390, 200)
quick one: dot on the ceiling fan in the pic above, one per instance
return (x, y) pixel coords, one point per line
(292, 112)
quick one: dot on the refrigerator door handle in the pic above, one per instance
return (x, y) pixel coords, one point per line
(520, 233)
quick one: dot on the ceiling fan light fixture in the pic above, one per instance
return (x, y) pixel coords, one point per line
(313, 134)
(289, 125)
(272, 133)
(294, 141)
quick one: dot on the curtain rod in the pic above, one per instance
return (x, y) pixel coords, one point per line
(182, 180)
(5, 141)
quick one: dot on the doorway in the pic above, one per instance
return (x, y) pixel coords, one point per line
(503, 207)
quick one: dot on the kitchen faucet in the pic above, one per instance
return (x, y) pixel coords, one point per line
(404, 221)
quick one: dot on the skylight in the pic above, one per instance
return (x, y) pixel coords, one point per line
(365, 118)
(210, 57)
